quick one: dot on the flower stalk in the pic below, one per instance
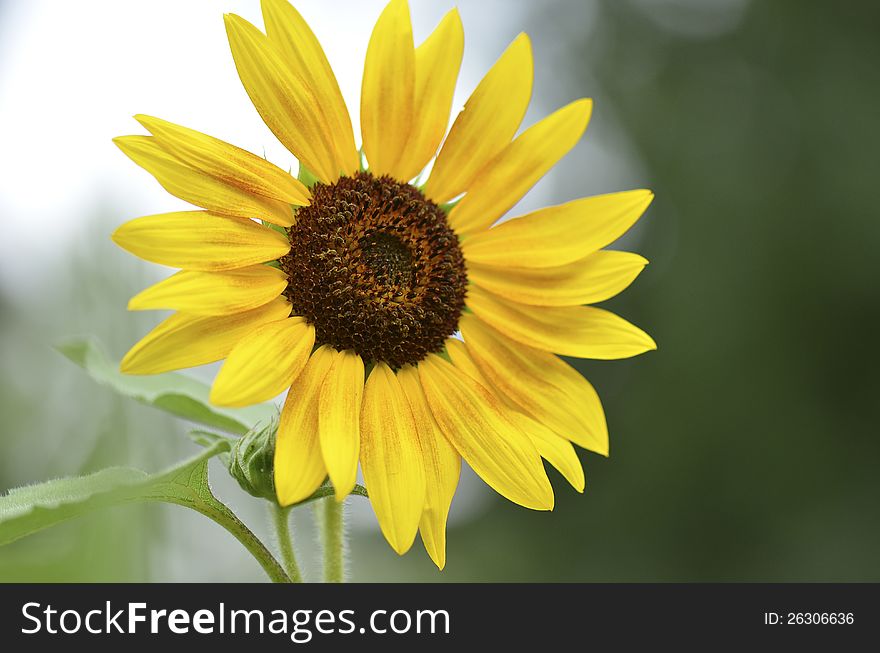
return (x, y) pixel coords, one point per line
(333, 526)
(281, 520)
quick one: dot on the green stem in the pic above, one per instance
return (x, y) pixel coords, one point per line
(285, 542)
(334, 541)
(225, 517)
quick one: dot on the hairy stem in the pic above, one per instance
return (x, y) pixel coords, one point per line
(334, 541)
(243, 534)
(281, 520)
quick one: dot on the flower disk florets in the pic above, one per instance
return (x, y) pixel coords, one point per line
(375, 267)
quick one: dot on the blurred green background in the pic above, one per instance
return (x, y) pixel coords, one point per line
(745, 449)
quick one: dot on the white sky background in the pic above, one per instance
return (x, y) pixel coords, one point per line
(72, 75)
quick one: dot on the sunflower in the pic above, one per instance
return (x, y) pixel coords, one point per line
(411, 328)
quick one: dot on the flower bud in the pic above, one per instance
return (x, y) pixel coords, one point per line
(251, 461)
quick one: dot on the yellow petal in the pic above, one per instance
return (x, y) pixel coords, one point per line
(199, 188)
(301, 51)
(283, 100)
(487, 123)
(597, 277)
(553, 449)
(462, 360)
(264, 363)
(224, 162)
(442, 465)
(551, 446)
(299, 467)
(581, 331)
(391, 459)
(516, 169)
(476, 423)
(213, 293)
(558, 235)
(339, 408)
(200, 240)
(540, 383)
(387, 92)
(438, 60)
(190, 340)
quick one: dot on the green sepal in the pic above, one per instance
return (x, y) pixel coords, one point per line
(275, 227)
(306, 177)
(448, 206)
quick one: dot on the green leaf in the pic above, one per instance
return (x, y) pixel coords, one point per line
(208, 439)
(174, 393)
(29, 509)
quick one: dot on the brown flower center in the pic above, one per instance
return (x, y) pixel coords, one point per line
(375, 267)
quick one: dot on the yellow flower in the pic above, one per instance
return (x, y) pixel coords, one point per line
(410, 329)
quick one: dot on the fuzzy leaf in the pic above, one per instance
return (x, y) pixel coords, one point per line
(174, 393)
(32, 508)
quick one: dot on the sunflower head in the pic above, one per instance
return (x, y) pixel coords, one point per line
(410, 326)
